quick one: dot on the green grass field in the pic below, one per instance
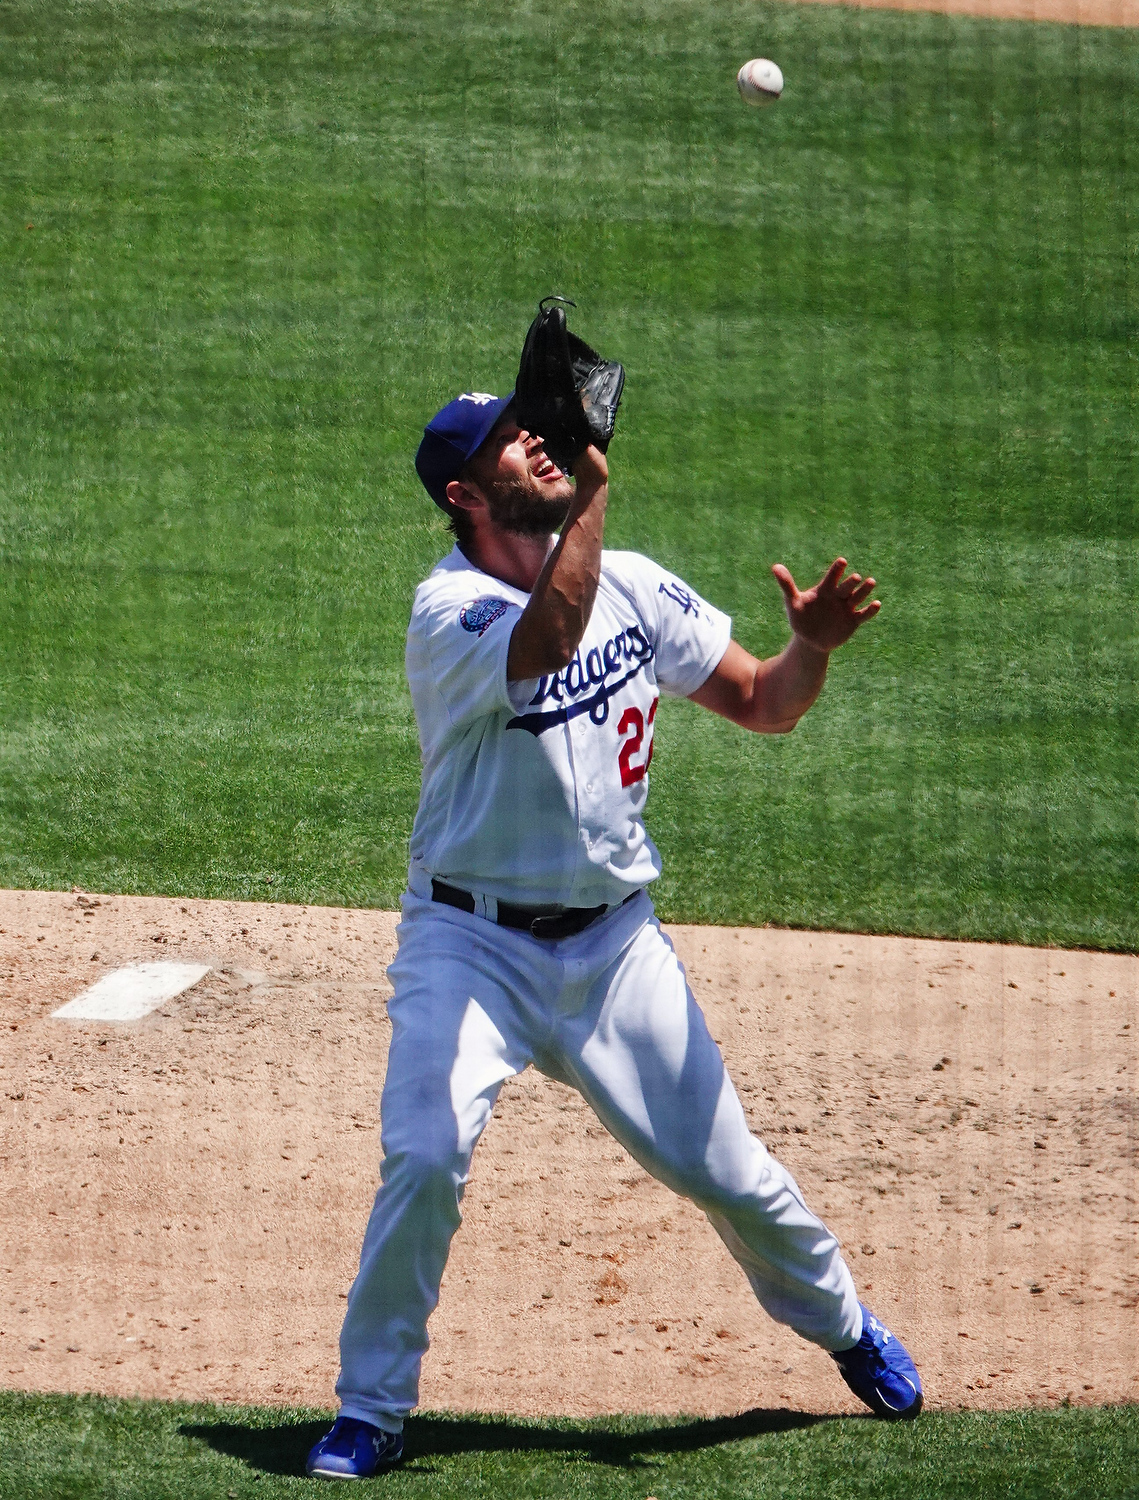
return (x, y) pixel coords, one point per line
(79, 1448)
(247, 250)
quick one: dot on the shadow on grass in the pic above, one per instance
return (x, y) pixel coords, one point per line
(283, 1449)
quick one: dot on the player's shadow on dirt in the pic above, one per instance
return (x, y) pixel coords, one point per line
(283, 1449)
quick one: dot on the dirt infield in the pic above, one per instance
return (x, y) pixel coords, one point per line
(1070, 12)
(183, 1196)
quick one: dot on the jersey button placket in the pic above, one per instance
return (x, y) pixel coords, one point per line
(593, 786)
(575, 751)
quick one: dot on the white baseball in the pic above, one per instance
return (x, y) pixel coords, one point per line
(759, 81)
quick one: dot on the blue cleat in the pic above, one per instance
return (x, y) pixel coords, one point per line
(880, 1372)
(354, 1450)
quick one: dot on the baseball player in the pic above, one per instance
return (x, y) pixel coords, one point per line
(536, 661)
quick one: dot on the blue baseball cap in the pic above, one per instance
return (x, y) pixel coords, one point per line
(453, 435)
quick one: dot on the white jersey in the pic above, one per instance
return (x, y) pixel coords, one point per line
(533, 792)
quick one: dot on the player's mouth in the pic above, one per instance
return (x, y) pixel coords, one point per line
(546, 470)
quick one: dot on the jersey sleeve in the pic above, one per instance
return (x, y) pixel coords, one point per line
(689, 635)
(464, 641)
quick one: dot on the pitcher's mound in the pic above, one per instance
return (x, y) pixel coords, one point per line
(184, 1195)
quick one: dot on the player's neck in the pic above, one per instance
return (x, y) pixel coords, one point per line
(516, 560)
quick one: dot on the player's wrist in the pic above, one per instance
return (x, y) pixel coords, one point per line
(590, 468)
(809, 648)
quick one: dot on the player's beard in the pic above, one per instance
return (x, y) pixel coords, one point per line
(515, 507)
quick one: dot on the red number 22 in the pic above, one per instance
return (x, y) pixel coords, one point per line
(633, 719)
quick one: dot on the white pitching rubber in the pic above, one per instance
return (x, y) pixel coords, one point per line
(131, 993)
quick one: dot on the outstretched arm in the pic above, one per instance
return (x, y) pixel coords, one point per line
(552, 624)
(770, 697)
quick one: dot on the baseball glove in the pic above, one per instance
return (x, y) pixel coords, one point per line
(565, 391)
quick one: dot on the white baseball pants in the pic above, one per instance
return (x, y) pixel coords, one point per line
(609, 1012)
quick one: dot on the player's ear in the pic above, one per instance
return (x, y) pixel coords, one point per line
(464, 494)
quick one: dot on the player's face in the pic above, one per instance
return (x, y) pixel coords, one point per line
(525, 490)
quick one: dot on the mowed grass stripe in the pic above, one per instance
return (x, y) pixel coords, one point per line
(889, 316)
(80, 1447)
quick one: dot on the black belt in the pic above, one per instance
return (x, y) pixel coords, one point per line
(538, 923)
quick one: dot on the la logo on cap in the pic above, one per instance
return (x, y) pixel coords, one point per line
(480, 398)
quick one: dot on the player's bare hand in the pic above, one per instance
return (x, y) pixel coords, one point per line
(828, 614)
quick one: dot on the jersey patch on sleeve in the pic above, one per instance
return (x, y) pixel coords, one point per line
(480, 614)
(689, 602)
